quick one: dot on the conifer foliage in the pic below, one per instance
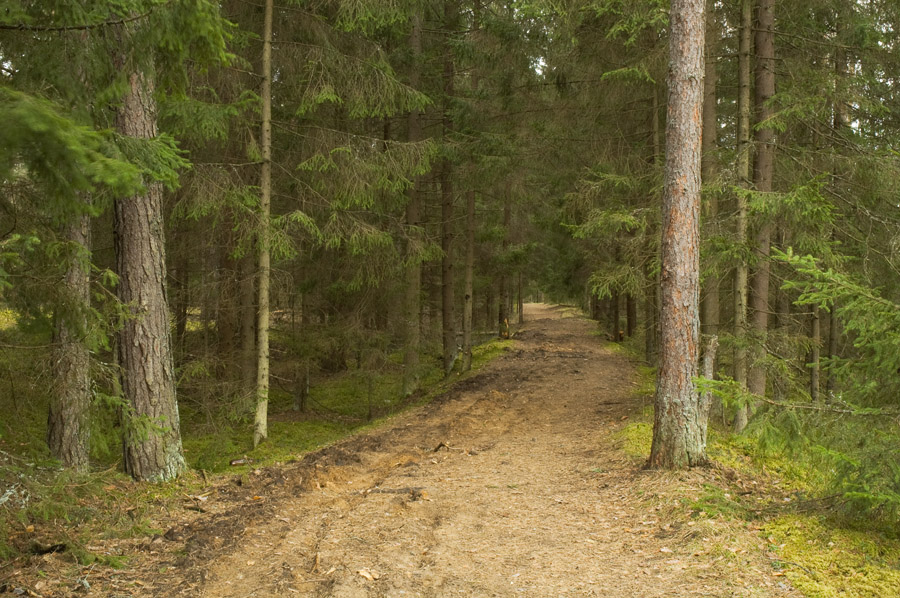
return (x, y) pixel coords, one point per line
(210, 209)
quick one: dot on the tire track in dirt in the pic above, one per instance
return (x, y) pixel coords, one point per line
(527, 494)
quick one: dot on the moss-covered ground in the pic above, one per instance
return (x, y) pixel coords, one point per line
(812, 540)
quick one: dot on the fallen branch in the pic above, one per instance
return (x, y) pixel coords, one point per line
(448, 447)
(825, 407)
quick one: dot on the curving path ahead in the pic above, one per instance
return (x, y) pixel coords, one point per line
(514, 484)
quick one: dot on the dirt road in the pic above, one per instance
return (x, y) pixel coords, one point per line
(514, 484)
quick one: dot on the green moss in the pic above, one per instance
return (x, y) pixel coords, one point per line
(840, 562)
(636, 439)
(646, 381)
(484, 353)
(715, 501)
(287, 439)
(292, 439)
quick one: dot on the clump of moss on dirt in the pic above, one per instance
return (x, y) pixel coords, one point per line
(821, 554)
(716, 501)
(636, 438)
(827, 561)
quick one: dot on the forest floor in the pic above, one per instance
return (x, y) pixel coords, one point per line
(514, 483)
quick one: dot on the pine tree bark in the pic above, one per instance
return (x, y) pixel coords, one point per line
(742, 270)
(679, 429)
(152, 442)
(260, 423)
(763, 172)
(67, 423)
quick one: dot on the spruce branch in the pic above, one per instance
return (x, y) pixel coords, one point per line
(81, 27)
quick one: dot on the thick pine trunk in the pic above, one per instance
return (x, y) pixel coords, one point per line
(742, 271)
(152, 443)
(261, 420)
(70, 400)
(679, 429)
(763, 172)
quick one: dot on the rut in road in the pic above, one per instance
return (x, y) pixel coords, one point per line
(514, 484)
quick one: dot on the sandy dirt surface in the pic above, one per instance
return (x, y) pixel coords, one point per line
(512, 484)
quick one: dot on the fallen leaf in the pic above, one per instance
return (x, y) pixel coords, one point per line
(30, 529)
(664, 549)
(370, 575)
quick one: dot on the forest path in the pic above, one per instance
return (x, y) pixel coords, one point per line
(513, 484)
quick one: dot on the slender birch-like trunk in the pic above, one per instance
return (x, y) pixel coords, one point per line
(261, 426)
